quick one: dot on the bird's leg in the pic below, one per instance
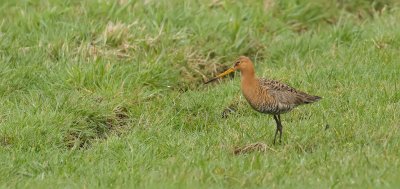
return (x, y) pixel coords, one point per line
(277, 127)
(280, 127)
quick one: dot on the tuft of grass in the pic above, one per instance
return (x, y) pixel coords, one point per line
(92, 126)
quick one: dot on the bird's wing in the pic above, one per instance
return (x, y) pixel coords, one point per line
(285, 94)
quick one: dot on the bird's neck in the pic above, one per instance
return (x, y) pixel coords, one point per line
(249, 80)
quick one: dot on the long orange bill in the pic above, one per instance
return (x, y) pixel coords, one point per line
(230, 70)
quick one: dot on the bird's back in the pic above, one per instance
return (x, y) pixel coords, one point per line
(274, 97)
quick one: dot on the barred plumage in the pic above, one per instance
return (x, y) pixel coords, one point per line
(277, 98)
(268, 96)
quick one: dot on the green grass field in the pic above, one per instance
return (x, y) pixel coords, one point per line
(109, 94)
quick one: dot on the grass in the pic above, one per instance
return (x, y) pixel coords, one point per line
(109, 94)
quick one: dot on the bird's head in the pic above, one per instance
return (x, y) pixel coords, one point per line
(242, 64)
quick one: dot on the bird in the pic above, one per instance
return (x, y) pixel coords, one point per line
(267, 96)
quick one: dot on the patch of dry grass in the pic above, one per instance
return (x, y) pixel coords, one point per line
(253, 147)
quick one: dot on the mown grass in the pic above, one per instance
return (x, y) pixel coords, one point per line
(109, 94)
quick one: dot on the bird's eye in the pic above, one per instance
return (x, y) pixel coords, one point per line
(237, 63)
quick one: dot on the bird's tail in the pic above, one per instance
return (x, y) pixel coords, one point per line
(310, 99)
